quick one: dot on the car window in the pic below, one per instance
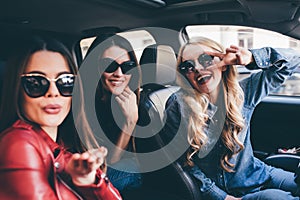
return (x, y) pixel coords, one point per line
(138, 39)
(85, 44)
(249, 37)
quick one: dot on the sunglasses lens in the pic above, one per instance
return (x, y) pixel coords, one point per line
(35, 86)
(205, 60)
(111, 65)
(127, 66)
(186, 66)
(65, 84)
(108, 64)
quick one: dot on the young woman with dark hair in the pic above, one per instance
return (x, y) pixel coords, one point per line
(116, 104)
(38, 131)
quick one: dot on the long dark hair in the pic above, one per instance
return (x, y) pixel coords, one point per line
(101, 44)
(98, 47)
(11, 98)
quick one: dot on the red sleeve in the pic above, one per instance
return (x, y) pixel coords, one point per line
(23, 174)
(102, 190)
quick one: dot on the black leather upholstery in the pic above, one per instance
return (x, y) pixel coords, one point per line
(287, 162)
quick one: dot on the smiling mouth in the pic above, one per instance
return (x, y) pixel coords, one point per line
(203, 79)
(116, 82)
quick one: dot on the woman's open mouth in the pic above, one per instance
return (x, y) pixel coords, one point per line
(204, 79)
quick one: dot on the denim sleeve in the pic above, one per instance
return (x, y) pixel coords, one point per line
(276, 66)
(207, 187)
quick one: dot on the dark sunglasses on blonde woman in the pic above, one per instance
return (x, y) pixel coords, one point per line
(189, 65)
(111, 65)
(37, 85)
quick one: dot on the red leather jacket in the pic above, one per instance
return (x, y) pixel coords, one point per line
(30, 170)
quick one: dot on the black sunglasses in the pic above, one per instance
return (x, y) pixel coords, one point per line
(111, 65)
(37, 85)
(189, 65)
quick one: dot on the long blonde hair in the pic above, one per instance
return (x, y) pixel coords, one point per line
(196, 103)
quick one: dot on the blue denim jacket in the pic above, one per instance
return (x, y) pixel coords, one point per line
(249, 174)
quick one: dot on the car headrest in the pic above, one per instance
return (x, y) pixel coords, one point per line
(158, 65)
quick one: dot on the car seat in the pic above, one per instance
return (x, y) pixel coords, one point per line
(287, 162)
(158, 65)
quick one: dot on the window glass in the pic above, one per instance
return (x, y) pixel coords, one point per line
(251, 38)
(85, 44)
(138, 39)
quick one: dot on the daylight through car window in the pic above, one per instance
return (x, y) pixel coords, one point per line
(251, 38)
(138, 39)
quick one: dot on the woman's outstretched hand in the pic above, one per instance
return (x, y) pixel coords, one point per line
(82, 167)
(234, 56)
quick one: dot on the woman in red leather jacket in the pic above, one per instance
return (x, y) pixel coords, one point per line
(38, 131)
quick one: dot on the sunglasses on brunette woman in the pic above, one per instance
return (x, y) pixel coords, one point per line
(189, 65)
(111, 65)
(37, 85)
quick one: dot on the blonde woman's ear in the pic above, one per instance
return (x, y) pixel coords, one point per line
(224, 68)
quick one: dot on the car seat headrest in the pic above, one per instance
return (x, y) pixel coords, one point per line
(158, 65)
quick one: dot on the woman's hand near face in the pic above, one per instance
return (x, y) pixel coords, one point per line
(128, 104)
(82, 167)
(234, 56)
(238, 56)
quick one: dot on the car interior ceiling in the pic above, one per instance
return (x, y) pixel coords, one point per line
(69, 17)
(70, 22)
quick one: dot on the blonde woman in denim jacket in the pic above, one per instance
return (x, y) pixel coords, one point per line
(209, 119)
